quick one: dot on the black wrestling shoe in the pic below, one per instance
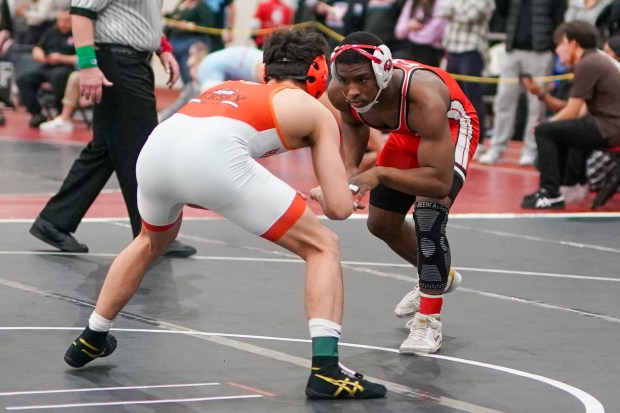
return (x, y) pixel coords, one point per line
(179, 250)
(542, 199)
(57, 238)
(89, 346)
(334, 381)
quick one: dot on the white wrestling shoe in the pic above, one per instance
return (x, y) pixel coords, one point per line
(424, 336)
(410, 304)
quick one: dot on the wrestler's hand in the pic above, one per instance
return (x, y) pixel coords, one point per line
(356, 202)
(364, 182)
(92, 81)
(171, 66)
(316, 193)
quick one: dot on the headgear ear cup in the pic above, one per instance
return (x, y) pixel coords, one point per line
(385, 67)
(316, 78)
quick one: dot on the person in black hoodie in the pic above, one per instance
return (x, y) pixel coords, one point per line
(529, 44)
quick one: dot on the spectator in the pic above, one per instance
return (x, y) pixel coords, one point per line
(586, 10)
(609, 18)
(305, 11)
(380, 17)
(39, 16)
(466, 42)
(341, 16)
(612, 47)
(62, 122)
(182, 34)
(529, 45)
(232, 63)
(271, 14)
(6, 19)
(116, 75)
(56, 54)
(596, 86)
(589, 11)
(420, 25)
(555, 96)
(197, 52)
(224, 15)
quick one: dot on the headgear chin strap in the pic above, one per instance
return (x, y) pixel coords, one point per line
(315, 78)
(369, 106)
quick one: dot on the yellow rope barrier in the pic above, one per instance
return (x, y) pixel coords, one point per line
(338, 37)
(495, 80)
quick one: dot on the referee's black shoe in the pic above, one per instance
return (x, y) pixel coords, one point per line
(179, 250)
(56, 237)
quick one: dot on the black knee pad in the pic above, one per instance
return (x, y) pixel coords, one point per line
(431, 219)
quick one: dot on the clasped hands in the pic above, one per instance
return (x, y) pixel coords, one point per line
(358, 185)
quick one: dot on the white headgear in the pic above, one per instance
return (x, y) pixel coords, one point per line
(381, 60)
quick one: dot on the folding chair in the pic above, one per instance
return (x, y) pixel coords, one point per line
(611, 181)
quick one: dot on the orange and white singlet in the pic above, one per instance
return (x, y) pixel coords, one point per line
(204, 155)
(400, 150)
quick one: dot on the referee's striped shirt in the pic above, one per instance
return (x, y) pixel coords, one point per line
(134, 23)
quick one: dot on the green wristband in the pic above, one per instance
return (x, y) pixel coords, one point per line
(86, 57)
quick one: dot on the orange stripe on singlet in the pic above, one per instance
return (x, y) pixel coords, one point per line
(287, 220)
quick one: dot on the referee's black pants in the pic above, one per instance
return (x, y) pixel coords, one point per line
(122, 122)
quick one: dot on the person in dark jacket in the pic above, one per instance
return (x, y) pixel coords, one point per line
(529, 44)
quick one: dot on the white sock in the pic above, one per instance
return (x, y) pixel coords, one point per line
(98, 323)
(320, 327)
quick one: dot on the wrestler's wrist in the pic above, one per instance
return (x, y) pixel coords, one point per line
(352, 171)
(379, 173)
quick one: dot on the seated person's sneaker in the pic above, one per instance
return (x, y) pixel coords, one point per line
(89, 346)
(542, 199)
(424, 335)
(331, 380)
(57, 124)
(410, 304)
